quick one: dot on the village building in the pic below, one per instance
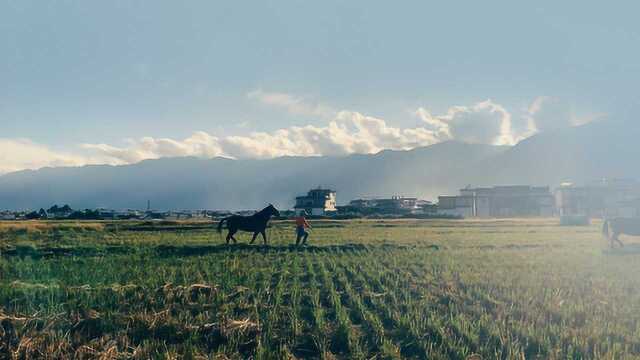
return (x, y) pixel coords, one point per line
(317, 202)
(630, 209)
(396, 203)
(393, 205)
(458, 206)
(604, 199)
(499, 202)
(7, 215)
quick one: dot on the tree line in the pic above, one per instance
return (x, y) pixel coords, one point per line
(64, 212)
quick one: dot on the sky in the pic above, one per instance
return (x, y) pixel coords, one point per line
(117, 82)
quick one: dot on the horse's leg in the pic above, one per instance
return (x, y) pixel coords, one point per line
(617, 239)
(228, 237)
(610, 238)
(264, 236)
(255, 234)
(231, 233)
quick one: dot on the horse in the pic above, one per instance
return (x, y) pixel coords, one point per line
(256, 223)
(620, 226)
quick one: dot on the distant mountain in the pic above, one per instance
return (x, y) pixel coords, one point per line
(606, 149)
(581, 154)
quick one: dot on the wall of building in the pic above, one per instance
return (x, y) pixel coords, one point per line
(500, 201)
(607, 199)
(317, 202)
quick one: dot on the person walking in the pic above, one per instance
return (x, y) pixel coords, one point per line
(301, 225)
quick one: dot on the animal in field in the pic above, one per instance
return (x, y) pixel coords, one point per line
(613, 228)
(256, 223)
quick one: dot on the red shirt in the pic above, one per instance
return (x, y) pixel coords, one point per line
(301, 221)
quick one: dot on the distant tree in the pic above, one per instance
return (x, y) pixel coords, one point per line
(87, 214)
(76, 215)
(92, 214)
(59, 212)
(42, 213)
(32, 215)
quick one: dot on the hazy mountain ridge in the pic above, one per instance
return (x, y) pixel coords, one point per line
(581, 154)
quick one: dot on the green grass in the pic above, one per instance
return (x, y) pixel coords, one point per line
(363, 289)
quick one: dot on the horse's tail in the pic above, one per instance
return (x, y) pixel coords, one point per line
(605, 229)
(220, 224)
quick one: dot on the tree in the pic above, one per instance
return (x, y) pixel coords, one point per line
(87, 214)
(32, 215)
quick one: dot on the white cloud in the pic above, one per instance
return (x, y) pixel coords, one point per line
(490, 123)
(549, 113)
(346, 132)
(485, 123)
(20, 154)
(293, 104)
(199, 144)
(349, 132)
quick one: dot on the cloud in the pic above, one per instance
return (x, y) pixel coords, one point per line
(549, 113)
(349, 132)
(487, 122)
(20, 154)
(199, 144)
(346, 132)
(484, 123)
(293, 104)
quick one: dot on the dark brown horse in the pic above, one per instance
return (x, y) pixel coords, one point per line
(256, 223)
(620, 226)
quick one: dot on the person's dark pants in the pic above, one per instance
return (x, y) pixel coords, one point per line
(301, 234)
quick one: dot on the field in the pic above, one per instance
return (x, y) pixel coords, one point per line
(513, 289)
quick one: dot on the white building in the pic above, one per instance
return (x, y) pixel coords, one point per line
(317, 202)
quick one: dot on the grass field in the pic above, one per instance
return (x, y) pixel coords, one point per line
(517, 289)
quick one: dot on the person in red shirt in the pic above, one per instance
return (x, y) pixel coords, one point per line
(301, 225)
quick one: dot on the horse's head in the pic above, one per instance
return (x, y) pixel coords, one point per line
(273, 211)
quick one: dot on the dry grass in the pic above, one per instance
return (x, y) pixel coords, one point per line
(43, 226)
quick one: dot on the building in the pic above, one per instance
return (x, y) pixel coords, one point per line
(499, 202)
(317, 202)
(397, 204)
(630, 209)
(7, 215)
(458, 206)
(394, 205)
(607, 198)
(425, 207)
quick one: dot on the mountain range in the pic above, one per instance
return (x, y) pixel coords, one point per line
(605, 149)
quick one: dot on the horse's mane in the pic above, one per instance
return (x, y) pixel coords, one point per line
(262, 212)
